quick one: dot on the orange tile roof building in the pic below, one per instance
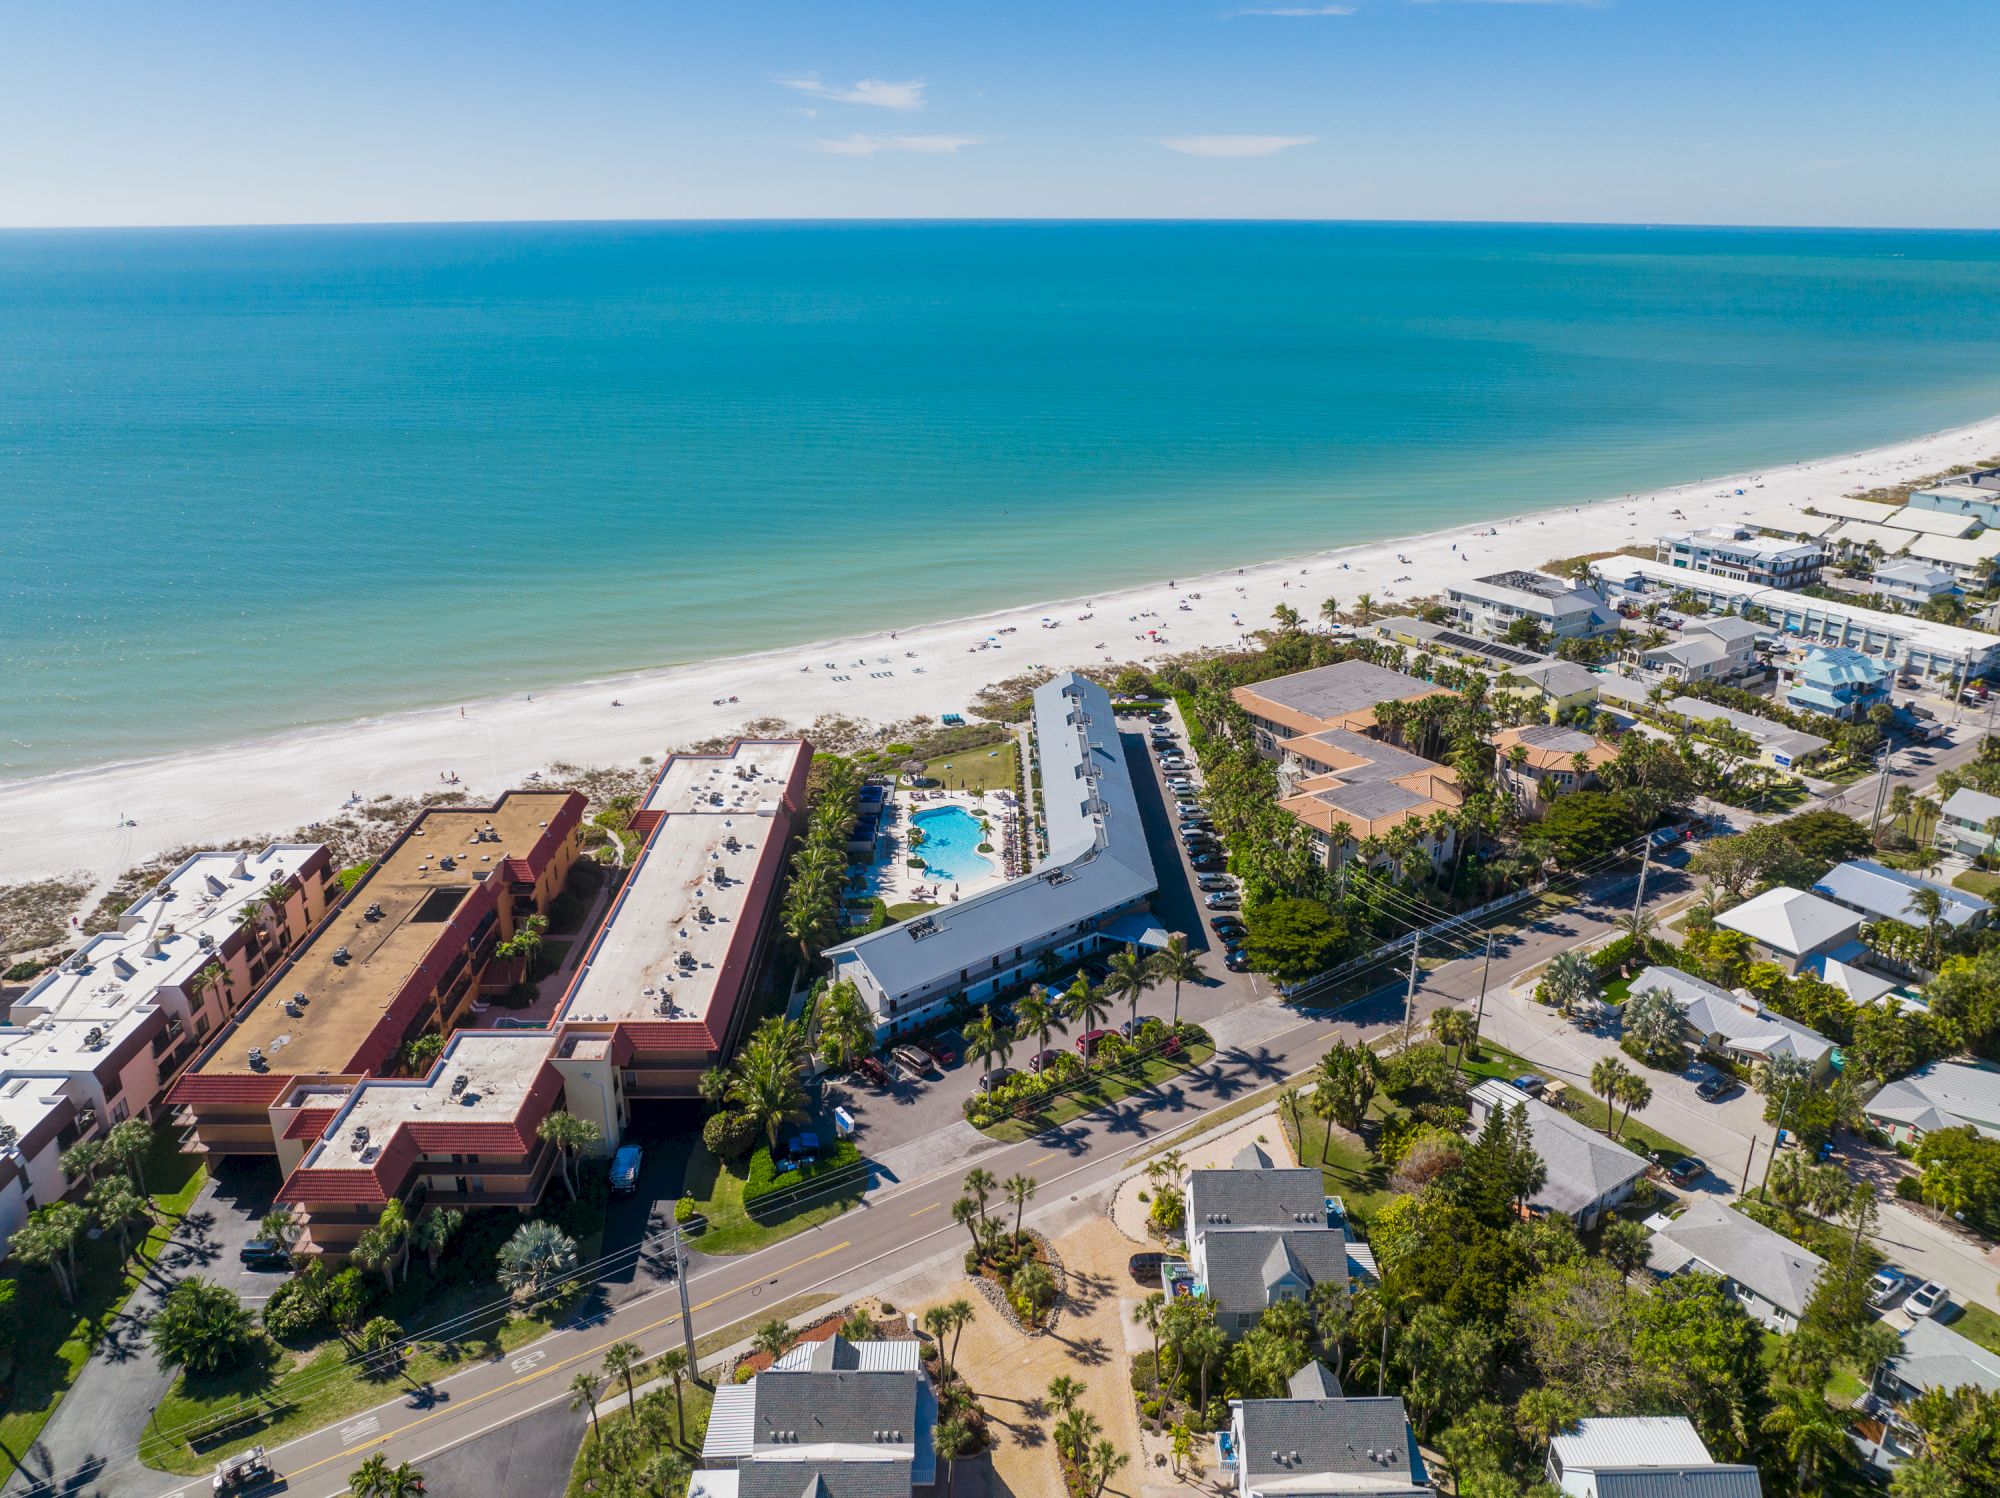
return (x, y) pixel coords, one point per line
(1548, 763)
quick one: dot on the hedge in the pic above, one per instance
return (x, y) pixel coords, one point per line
(763, 1178)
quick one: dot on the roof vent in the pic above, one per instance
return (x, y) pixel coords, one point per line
(205, 941)
(256, 1058)
(458, 1084)
(373, 912)
(342, 956)
(93, 1039)
(360, 1135)
(447, 862)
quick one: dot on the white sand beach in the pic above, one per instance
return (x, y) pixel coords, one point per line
(102, 820)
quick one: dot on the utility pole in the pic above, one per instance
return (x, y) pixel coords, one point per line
(1645, 864)
(1881, 789)
(1479, 1014)
(1410, 995)
(1771, 1159)
(1750, 1163)
(679, 1259)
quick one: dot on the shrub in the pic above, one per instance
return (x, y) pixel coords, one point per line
(1909, 1189)
(684, 1210)
(1168, 1212)
(763, 1178)
(728, 1134)
(1142, 1372)
(293, 1311)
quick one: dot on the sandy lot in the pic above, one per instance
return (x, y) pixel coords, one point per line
(1207, 1153)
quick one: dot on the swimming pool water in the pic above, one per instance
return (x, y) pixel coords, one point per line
(952, 836)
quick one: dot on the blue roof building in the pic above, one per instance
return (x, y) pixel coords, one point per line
(1840, 683)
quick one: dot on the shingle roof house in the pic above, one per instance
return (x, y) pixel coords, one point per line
(1771, 1276)
(1318, 1448)
(1790, 925)
(1942, 1095)
(1933, 1356)
(1643, 1456)
(1246, 1272)
(1097, 867)
(1724, 1021)
(1587, 1173)
(1255, 1198)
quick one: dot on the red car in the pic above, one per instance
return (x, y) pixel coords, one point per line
(1087, 1042)
(873, 1070)
(1044, 1061)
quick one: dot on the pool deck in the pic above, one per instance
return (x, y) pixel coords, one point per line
(893, 881)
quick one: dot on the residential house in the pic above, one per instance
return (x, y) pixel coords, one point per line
(1914, 582)
(103, 1036)
(1975, 494)
(1559, 608)
(831, 1419)
(1973, 562)
(1881, 893)
(1588, 1173)
(1940, 1095)
(1779, 747)
(1563, 687)
(1735, 1024)
(1718, 649)
(1970, 822)
(1336, 779)
(1770, 1276)
(1740, 552)
(1788, 926)
(1090, 890)
(1842, 684)
(1916, 645)
(1931, 1357)
(1642, 1456)
(1258, 1234)
(1321, 1448)
(1539, 761)
(1343, 695)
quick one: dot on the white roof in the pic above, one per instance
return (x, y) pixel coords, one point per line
(1856, 509)
(1972, 806)
(1631, 1441)
(1861, 986)
(1861, 533)
(1584, 1167)
(1715, 1236)
(1920, 575)
(1887, 893)
(1793, 741)
(1932, 522)
(1983, 548)
(1791, 921)
(1943, 1095)
(1787, 522)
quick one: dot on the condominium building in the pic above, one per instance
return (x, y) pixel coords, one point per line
(1091, 889)
(1552, 760)
(1912, 644)
(1738, 551)
(663, 991)
(100, 1038)
(1563, 610)
(1975, 494)
(1343, 695)
(1914, 583)
(1973, 563)
(1346, 789)
(406, 953)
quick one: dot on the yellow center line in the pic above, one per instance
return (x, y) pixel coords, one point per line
(931, 1208)
(527, 1378)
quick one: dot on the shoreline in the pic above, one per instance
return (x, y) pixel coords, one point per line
(74, 821)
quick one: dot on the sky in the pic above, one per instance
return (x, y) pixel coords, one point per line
(1809, 112)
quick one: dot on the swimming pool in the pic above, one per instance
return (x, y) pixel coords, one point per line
(952, 836)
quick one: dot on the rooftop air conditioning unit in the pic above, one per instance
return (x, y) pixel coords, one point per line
(256, 1058)
(360, 1135)
(341, 956)
(458, 1084)
(447, 862)
(205, 941)
(93, 1039)
(373, 912)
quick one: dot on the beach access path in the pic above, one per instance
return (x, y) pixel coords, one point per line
(103, 820)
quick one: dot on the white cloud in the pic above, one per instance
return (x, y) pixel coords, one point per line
(1228, 147)
(1295, 10)
(872, 91)
(919, 145)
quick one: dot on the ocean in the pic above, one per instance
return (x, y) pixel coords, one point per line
(258, 478)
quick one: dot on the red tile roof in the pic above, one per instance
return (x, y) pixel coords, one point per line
(260, 1088)
(309, 1123)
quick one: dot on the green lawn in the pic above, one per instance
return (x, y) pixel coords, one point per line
(1977, 1324)
(55, 1339)
(717, 1189)
(1349, 1171)
(991, 768)
(1584, 1107)
(1105, 1087)
(1978, 882)
(909, 910)
(1618, 990)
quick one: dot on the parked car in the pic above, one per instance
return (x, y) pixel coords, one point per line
(1210, 883)
(1718, 1087)
(1685, 1171)
(625, 1170)
(1185, 809)
(1531, 1083)
(1044, 1061)
(1199, 841)
(939, 1049)
(1928, 1299)
(1207, 861)
(1200, 818)
(1888, 1285)
(1130, 1027)
(912, 1060)
(265, 1253)
(1087, 1041)
(1236, 960)
(1190, 827)
(999, 1076)
(874, 1071)
(1145, 1268)
(1222, 900)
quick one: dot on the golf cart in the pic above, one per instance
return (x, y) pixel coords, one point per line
(243, 1473)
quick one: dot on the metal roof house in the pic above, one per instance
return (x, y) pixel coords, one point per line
(1778, 746)
(1643, 1456)
(835, 1418)
(1885, 894)
(1789, 926)
(1320, 1448)
(1841, 683)
(1968, 820)
(1588, 1174)
(1941, 1095)
(1932, 1356)
(1771, 1277)
(1723, 1021)
(1098, 869)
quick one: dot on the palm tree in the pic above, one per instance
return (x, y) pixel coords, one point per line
(846, 1027)
(200, 1326)
(570, 1135)
(980, 1182)
(765, 1083)
(386, 1245)
(673, 1366)
(961, 1314)
(371, 1478)
(1148, 1313)
(1064, 1393)
(1181, 1448)
(1088, 1007)
(1106, 1462)
(584, 1387)
(1207, 1346)
(1035, 1015)
(115, 1204)
(1929, 904)
(434, 1232)
(49, 1238)
(1129, 978)
(127, 1146)
(1365, 607)
(1634, 1092)
(985, 1040)
(1074, 1433)
(1607, 1078)
(965, 1212)
(951, 1439)
(1287, 617)
(1176, 965)
(1571, 982)
(1811, 1435)
(937, 1321)
(670, 1471)
(535, 1260)
(1452, 1027)
(281, 1225)
(772, 1338)
(1020, 1190)
(621, 1360)
(1329, 610)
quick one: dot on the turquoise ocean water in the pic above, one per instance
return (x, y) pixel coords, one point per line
(257, 478)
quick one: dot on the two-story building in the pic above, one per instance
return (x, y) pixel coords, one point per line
(1912, 582)
(1842, 684)
(1770, 1276)
(1718, 649)
(101, 1037)
(1975, 495)
(1929, 1357)
(1258, 1234)
(1740, 552)
(1313, 1445)
(1559, 608)
(1539, 761)
(1969, 822)
(1790, 927)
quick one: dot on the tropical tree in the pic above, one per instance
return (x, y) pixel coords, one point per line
(965, 1212)
(201, 1326)
(536, 1260)
(1034, 1290)
(1607, 1077)
(127, 1146)
(1181, 1445)
(1074, 1433)
(584, 1387)
(980, 1182)
(1364, 606)
(1570, 983)
(1130, 978)
(621, 1361)
(116, 1206)
(375, 1478)
(1175, 964)
(765, 1081)
(1106, 1462)
(281, 1225)
(1809, 1432)
(386, 1246)
(82, 1160)
(960, 1313)
(1329, 610)
(1064, 1393)
(1035, 1015)
(1452, 1027)
(986, 1041)
(846, 1028)
(952, 1439)
(1635, 1092)
(48, 1239)
(434, 1232)
(1147, 1313)
(1653, 1022)
(1020, 1190)
(570, 1135)
(1348, 1073)
(1087, 1006)
(772, 1338)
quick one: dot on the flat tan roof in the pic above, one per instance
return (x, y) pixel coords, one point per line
(412, 896)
